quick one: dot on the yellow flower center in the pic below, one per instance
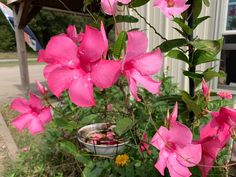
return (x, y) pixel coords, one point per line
(170, 3)
(122, 160)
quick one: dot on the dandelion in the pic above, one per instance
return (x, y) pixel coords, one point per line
(122, 160)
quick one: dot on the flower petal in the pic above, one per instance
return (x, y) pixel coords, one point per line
(35, 126)
(42, 90)
(105, 73)
(22, 121)
(35, 101)
(162, 161)
(49, 68)
(21, 105)
(137, 45)
(160, 138)
(109, 6)
(132, 85)
(81, 92)
(189, 155)
(173, 117)
(149, 63)
(89, 50)
(62, 50)
(60, 79)
(124, 1)
(180, 134)
(151, 85)
(176, 169)
(45, 116)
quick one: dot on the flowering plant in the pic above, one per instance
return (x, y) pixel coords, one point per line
(96, 82)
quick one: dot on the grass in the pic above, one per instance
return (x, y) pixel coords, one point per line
(13, 55)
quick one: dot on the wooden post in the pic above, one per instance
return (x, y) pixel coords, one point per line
(21, 51)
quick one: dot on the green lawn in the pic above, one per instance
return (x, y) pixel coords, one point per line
(13, 55)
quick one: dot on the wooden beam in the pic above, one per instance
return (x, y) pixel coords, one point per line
(22, 15)
(22, 53)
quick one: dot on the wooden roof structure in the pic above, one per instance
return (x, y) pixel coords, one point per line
(25, 10)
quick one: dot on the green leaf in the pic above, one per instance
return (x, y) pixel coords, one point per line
(88, 120)
(138, 3)
(201, 56)
(119, 44)
(121, 19)
(198, 21)
(170, 44)
(177, 54)
(82, 159)
(197, 8)
(68, 147)
(206, 2)
(123, 125)
(193, 75)
(184, 27)
(65, 124)
(180, 32)
(212, 46)
(191, 105)
(208, 75)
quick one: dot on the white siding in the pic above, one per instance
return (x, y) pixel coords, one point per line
(210, 29)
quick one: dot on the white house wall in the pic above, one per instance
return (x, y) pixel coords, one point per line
(207, 30)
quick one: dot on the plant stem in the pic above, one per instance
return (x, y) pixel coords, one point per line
(190, 55)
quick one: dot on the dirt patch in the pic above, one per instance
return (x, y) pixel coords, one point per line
(4, 157)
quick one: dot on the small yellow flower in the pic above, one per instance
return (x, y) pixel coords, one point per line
(122, 160)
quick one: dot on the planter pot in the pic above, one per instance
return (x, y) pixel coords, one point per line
(101, 149)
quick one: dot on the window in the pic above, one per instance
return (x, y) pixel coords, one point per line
(228, 54)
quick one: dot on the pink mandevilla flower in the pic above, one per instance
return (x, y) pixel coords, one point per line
(78, 69)
(225, 95)
(110, 6)
(143, 145)
(72, 33)
(214, 136)
(205, 89)
(43, 90)
(177, 152)
(171, 8)
(33, 114)
(138, 66)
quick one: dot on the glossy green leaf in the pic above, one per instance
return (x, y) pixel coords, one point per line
(197, 8)
(119, 44)
(206, 2)
(184, 26)
(68, 147)
(212, 46)
(201, 56)
(92, 118)
(179, 55)
(180, 32)
(208, 75)
(138, 3)
(198, 21)
(193, 75)
(191, 105)
(170, 44)
(123, 125)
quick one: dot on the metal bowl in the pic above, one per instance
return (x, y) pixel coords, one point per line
(109, 150)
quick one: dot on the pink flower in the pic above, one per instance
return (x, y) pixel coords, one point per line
(171, 7)
(110, 6)
(78, 69)
(138, 66)
(171, 120)
(33, 115)
(225, 95)
(109, 107)
(177, 152)
(205, 89)
(215, 135)
(143, 145)
(43, 90)
(72, 33)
